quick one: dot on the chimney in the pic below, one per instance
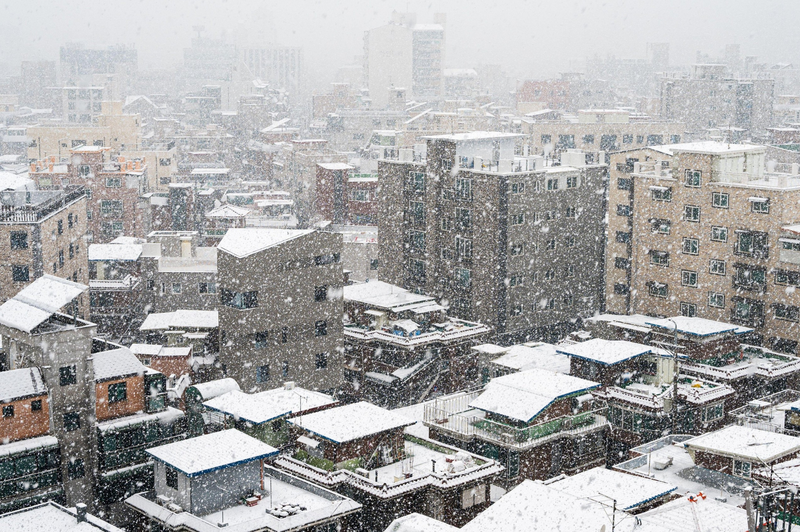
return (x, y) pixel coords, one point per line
(81, 509)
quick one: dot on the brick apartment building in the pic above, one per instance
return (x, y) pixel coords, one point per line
(345, 198)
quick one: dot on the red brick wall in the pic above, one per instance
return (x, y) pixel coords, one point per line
(25, 423)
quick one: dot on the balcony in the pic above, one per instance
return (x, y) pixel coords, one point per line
(31, 207)
(129, 282)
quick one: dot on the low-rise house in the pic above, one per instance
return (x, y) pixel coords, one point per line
(364, 451)
(193, 396)
(402, 347)
(497, 361)
(221, 479)
(171, 361)
(604, 361)
(536, 423)
(184, 327)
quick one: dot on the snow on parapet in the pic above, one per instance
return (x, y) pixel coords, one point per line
(242, 242)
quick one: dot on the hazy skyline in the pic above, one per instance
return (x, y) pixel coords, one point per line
(529, 39)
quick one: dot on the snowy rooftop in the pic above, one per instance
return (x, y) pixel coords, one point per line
(7, 449)
(351, 422)
(524, 395)
(490, 349)
(34, 304)
(164, 417)
(475, 135)
(228, 211)
(20, 383)
(384, 295)
(630, 491)
(607, 352)
(713, 148)
(699, 515)
(696, 326)
(335, 166)
(189, 319)
(530, 356)
(9, 181)
(242, 242)
(209, 390)
(116, 252)
(52, 517)
(196, 456)
(419, 523)
(265, 406)
(116, 363)
(745, 442)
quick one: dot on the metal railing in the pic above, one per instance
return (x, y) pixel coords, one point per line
(34, 213)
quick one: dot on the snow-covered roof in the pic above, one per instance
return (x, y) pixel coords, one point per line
(9, 181)
(210, 171)
(116, 252)
(490, 349)
(351, 422)
(713, 148)
(630, 491)
(474, 135)
(525, 357)
(19, 446)
(699, 515)
(203, 454)
(209, 390)
(745, 442)
(384, 295)
(693, 326)
(35, 303)
(145, 349)
(335, 166)
(242, 242)
(524, 395)
(460, 72)
(265, 406)
(419, 523)
(53, 517)
(184, 318)
(19, 383)
(228, 211)
(116, 363)
(607, 352)
(156, 321)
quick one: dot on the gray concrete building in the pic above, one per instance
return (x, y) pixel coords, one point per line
(280, 311)
(502, 240)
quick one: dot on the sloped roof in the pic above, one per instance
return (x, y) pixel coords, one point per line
(20, 383)
(265, 406)
(35, 303)
(351, 422)
(228, 211)
(606, 352)
(630, 491)
(116, 363)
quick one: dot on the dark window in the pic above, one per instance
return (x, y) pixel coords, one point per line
(8, 411)
(623, 237)
(621, 289)
(61, 258)
(76, 469)
(19, 274)
(285, 368)
(117, 392)
(374, 264)
(68, 375)
(239, 300)
(72, 421)
(36, 406)
(782, 312)
(627, 139)
(321, 328)
(329, 258)
(622, 263)
(262, 373)
(284, 335)
(60, 227)
(547, 139)
(261, 339)
(321, 361)
(654, 140)
(588, 139)
(19, 240)
(70, 220)
(623, 183)
(623, 210)
(171, 477)
(321, 293)
(72, 251)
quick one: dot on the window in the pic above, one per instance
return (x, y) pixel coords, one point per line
(517, 188)
(516, 310)
(719, 234)
(549, 275)
(741, 469)
(623, 237)
(515, 280)
(8, 410)
(517, 219)
(549, 304)
(36, 406)
(111, 208)
(320, 328)
(374, 264)
(113, 182)
(284, 335)
(588, 139)
(417, 239)
(569, 241)
(463, 277)
(19, 274)
(688, 309)
(464, 189)
(787, 277)
(547, 139)
(171, 477)
(655, 140)
(624, 183)
(622, 210)
(639, 139)
(622, 263)
(552, 184)
(329, 258)
(661, 193)
(359, 195)
(572, 181)
(463, 218)
(674, 139)
(321, 293)
(566, 141)
(662, 227)
(658, 290)
(752, 243)
(239, 300)
(19, 240)
(692, 178)
(262, 373)
(569, 271)
(72, 421)
(417, 270)
(446, 223)
(691, 213)
(761, 206)
(517, 249)
(689, 278)
(416, 181)
(750, 278)
(68, 375)
(719, 200)
(117, 392)
(785, 312)
(691, 246)
(716, 300)
(321, 361)
(748, 311)
(717, 267)
(659, 258)
(84, 170)
(463, 248)
(176, 288)
(76, 468)
(627, 139)
(72, 251)
(61, 258)
(260, 339)
(164, 161)
(417, 213)
(285, 368)
(572, 212)
(207, 288)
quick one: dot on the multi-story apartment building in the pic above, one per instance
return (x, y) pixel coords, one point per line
(113, 185)
(42, 232)
(710, 234)
(505, 240)
(345, 198)
(709, 97)
(281, 309)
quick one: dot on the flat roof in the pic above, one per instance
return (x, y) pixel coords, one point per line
(115, 252)
(524, 395)
(713, 148)
(702, 513)
(745, 442)
(384, 295)
(243, 242)
(694, 326)
(211, 452)
(475, 135)
(606, 352)
(351, 422)
(630, 491)
(193, 319)
(335, 166)
(53, 517)
(258, 408)
(524, 357)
